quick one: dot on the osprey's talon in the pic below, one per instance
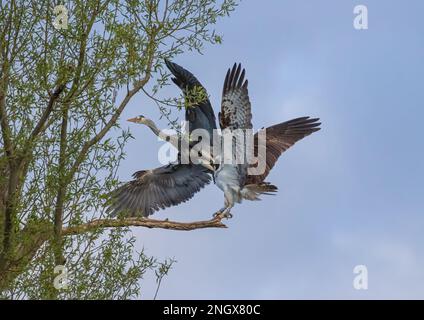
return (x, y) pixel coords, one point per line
(228, 215)
(217, 214)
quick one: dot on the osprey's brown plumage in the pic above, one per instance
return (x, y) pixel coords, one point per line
(235, 105)
(279, 138)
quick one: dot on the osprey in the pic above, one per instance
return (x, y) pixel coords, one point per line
(233, 179)
(175, 183)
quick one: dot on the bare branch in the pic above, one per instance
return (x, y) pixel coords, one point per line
(143, 222)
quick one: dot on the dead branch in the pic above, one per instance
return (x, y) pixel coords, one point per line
(143, 222)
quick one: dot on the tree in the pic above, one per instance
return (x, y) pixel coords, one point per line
(66, 75)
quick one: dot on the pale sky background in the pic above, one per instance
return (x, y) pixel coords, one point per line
(350, 194)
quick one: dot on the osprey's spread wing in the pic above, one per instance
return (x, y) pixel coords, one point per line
(279, 138)
(235, 117)
(159, 188)
(235, 106)
(200, 115)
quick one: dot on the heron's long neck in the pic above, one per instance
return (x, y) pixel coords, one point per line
(154, 128)
(162, 135)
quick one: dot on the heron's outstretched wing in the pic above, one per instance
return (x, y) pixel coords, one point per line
(159, 188)
(279, 138)
(202, 114)
(235, 106)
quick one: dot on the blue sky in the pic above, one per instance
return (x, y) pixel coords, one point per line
(350, 194)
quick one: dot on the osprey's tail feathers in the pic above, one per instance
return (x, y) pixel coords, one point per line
(253, 191)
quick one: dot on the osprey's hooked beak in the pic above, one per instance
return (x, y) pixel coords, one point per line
(207, 161)
(207, 165)
(210, 167)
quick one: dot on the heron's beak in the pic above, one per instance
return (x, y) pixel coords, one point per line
(133, 120)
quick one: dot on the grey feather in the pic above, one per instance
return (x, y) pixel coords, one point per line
(159, 188)
(201, 115)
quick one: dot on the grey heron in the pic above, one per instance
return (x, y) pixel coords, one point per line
(174, 183)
